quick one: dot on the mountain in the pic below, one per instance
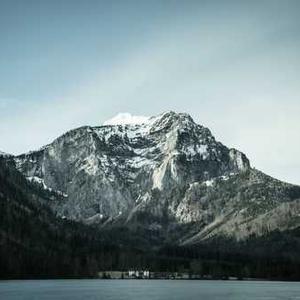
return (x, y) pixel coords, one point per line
(166, 175)
(34, 243)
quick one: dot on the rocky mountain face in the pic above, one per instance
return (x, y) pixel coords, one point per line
(167, 174)
(34, 243)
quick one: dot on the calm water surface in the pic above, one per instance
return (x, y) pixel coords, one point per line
(147, 289)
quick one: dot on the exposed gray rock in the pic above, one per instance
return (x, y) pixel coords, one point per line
(170, 170)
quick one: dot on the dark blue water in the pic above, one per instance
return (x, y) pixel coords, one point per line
(147, 289)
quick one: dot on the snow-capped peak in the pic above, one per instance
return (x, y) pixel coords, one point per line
(160, 120)
(127, 118)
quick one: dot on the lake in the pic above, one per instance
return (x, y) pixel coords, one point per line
(147, 289)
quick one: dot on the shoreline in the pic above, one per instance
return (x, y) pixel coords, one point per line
(150, 279)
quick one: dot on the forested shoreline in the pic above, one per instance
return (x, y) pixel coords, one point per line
(34, 243)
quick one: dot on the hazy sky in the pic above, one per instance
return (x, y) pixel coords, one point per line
(233, 65)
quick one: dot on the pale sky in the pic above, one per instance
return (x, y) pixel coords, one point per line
(233, 65)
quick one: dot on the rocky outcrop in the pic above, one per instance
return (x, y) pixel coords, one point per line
(168, 169)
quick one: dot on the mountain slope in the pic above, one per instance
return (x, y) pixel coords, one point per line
(166, 174)
(34, 243)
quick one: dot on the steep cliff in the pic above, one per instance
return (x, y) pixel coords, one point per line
(166, 174)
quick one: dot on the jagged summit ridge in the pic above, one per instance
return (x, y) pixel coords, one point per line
(153, 151)
(165, 167)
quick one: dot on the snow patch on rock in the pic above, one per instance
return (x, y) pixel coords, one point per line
(209, 182)
(41, 182)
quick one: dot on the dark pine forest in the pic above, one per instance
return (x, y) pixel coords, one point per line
(34, 243)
